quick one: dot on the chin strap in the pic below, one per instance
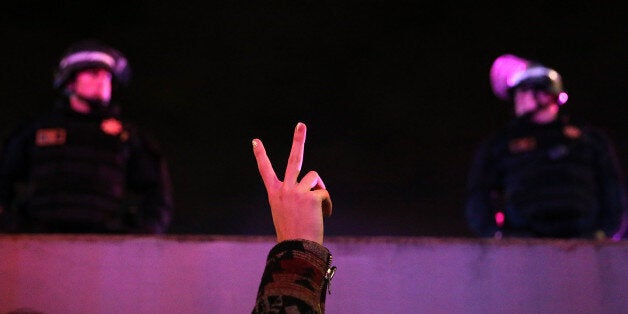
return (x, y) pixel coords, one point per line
(529, 116)
(94, 104)
(97, 107)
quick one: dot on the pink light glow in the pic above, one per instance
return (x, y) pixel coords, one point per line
(504, 68)
(499, 219)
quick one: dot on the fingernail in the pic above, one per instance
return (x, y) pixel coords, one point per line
(299, 126)
(254, 142)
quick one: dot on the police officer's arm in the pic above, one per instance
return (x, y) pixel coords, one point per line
(13, 164)
(613, 190)
(298, 268)
(158, 203)
(480, 207)
(150, 179)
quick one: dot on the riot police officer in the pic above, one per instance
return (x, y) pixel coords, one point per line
(543, 175)
(81, 168)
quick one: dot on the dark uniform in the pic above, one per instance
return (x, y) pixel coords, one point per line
(83, 173)
(553, 180)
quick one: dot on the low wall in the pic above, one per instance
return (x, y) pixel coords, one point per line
(220, 274)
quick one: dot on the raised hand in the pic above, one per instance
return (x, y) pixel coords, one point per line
(297, 207)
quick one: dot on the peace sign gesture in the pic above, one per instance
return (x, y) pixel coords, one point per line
(297, 207)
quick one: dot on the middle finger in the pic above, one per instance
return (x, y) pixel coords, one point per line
(296, 154)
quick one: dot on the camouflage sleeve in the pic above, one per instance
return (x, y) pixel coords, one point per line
(295, 279)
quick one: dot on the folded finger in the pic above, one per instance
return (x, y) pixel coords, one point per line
(325, 199)
(311, 181)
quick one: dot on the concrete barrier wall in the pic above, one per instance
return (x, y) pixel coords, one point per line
(220, 274)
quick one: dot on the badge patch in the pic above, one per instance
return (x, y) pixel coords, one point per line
(111, 126)
(572, 132)
(524, 144)
(50, 137)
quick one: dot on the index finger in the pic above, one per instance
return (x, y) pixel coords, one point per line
(296, 154)
(263, 165)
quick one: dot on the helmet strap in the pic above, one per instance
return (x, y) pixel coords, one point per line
(97, 107)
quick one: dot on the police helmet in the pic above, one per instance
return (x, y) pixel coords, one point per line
(91, 54)
(510, 72)
(537, 77)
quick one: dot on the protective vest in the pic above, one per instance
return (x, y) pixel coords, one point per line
(78, 171)
(548, 178)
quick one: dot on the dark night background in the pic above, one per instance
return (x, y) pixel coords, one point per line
(395, 94)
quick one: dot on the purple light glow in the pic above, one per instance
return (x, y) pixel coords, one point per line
(504, 68)
(562, 98)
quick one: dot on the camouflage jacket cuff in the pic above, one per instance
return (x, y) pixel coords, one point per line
(295, 277)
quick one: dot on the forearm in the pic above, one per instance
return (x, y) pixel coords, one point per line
(156, 213)
(612, 189)
(296, 277)
(483, 198)
(613, 209)
(480, 214)
(156, 200)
